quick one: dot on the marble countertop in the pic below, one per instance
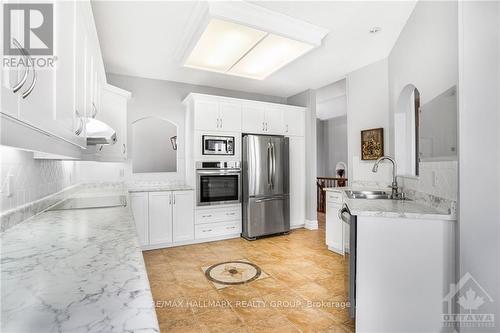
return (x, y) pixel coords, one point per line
(76, 271)
(150, 186)
(390, 208)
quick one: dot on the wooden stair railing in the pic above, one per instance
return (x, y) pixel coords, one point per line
(321, 184)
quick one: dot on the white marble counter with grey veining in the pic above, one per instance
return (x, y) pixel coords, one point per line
(152, 186)
(391, 208)
(76, 271)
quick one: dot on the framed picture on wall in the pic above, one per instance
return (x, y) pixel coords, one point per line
(372, 143)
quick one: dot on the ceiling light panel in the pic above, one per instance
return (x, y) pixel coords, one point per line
(222, 44)
(272, 53)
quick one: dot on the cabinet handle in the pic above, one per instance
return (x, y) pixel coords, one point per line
(173, 196)
(230, 213)
(286, 128)
(28, 91)
(229, 228)
(266, 126)
(207, 230)
(79, 130)
(263, 127)
(170, 199)
(94, 111)
(220, 122)
(206, 216)
(124, 148)
(25, 74)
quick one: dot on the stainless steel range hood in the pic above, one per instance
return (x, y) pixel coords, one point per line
(99, 133)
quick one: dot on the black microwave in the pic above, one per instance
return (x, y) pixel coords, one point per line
(217, 145)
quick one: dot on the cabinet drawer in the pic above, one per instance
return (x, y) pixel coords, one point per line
(335, 197)
(217, 229)
(218, 215)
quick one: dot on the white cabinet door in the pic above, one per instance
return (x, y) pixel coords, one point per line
(297, 181)
(293, 122)
(253, 119)
(139, 206)
(11, 74)
(183, 215)
(160, 217)
(334, 228)
(273, 119)
(112, 110)
(230, 116)
(206, 115)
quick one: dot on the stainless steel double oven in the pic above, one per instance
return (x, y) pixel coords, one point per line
(218, 183)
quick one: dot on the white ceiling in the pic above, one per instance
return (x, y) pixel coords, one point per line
(142, 39)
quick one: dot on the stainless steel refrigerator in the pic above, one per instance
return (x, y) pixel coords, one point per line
(265, 189)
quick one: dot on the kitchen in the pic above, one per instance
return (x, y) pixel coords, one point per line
(163, 175)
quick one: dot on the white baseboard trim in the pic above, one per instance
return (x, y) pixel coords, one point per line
(311, 224)
(297, 226)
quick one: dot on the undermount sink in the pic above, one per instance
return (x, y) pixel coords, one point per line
(372, 195)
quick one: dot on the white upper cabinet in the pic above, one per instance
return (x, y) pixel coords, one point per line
(206, 115)
(261, 118)
(224, 114)
(273, 120)
(230, 116)
(293, 122)
(253, 118)
(111, 108)
(217, 116)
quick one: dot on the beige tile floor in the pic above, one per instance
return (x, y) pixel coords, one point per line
(305, 290)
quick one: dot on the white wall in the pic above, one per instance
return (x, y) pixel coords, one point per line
(32, 179)
(332, 145)
(161, 99)
(308, 99)
(367, 107)
(331, 100)
(426, 56)
(479, 153)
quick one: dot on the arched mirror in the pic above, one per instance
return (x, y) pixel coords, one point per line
(406, 131)
(154, 145)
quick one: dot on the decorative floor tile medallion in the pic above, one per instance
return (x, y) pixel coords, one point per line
(232, 273)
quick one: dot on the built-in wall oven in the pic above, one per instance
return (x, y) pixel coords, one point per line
(217, 145)
(218, 183)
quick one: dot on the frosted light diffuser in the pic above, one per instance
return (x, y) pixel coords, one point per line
(272, 53)
(222, 44)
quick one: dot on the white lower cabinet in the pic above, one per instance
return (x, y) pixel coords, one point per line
(183, 216)
(160, 217)
(163, 219)
(334, 225)
(218, 222)
(140, 210)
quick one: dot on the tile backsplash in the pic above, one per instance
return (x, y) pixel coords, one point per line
(32, 179)
(438, 178)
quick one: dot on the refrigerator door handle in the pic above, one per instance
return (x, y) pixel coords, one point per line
(269, 165)
(273, 174)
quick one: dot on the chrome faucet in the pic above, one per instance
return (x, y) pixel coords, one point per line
(394, 185)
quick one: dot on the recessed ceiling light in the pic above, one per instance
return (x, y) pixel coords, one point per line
(375, 30)
(243, 39)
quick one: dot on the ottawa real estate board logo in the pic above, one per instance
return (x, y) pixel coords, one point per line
(473, 300)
